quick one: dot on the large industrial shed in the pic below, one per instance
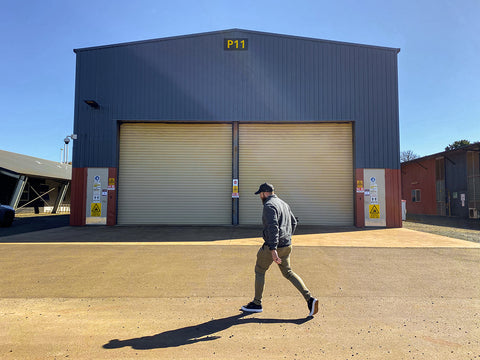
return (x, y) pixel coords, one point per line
(182, 130)
(445, 184)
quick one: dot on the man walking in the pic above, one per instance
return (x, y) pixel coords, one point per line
(279, 224)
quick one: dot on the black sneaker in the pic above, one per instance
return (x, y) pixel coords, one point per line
(312, 306)
(252, 307)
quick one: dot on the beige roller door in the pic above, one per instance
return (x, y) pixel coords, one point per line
(175, 174)
(310, 166)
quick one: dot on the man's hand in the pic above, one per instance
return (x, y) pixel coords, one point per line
(275, 257)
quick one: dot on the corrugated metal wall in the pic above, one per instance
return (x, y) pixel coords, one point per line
(393, 197)
(420, 176)
(456, 183)
(279, 78)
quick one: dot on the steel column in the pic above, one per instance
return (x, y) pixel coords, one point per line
(17, 194)
(60, 197)
(235, 166)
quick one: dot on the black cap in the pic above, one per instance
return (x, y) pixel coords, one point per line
(265, 187)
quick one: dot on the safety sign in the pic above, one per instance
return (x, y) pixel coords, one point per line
(359, 186)
(96, 210)
(235, 193)
(373, 194)
(111, 184)
(374, 211)
(97, 187)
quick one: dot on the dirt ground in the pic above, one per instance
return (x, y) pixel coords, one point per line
(181, 301)
(175, 292)
(462, 229)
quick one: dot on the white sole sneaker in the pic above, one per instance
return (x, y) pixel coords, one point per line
(251, 310)
(314, 308)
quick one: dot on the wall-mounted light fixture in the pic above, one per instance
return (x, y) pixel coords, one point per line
(92, 103)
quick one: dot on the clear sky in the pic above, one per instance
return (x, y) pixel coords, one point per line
(439, 62)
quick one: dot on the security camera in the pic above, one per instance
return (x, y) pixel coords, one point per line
(66, 140)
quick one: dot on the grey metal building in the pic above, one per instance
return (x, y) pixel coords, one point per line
(182, 130)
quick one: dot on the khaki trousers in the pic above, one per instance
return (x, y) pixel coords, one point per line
(264, 260)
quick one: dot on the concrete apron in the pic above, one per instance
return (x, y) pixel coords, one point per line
(383, 238)
(417, 297)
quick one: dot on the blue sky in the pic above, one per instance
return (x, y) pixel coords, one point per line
(439, 62)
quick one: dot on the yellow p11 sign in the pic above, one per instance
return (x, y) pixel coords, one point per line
(235, 44)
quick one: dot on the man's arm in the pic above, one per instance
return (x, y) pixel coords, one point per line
(272, 229)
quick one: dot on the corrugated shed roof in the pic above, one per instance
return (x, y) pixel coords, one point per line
(471, 147)
(32, 166)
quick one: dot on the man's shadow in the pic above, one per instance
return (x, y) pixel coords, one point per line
(193, 334)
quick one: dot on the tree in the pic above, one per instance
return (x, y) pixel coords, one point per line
(408, 155)
(457, 144)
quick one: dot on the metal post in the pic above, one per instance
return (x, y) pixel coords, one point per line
(17, 194)
(235, 172)
(60, 197)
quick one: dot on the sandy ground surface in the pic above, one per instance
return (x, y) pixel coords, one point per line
(384, 294)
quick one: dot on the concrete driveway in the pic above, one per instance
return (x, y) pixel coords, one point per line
(174, 293)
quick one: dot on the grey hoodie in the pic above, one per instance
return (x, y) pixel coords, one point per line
(279, 223)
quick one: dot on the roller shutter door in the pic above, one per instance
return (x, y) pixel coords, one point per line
(310, 166)
(175, 174)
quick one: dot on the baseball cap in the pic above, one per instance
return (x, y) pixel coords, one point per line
(265, 187)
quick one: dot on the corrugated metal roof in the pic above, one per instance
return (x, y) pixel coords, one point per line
(32, 166)
(234, 30)
(471, 147)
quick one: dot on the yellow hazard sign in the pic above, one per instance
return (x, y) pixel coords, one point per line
(96, 210)
(374, 211)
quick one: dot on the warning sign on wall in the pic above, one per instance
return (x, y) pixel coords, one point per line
(96, 210)
(235, 189)
(374, 211)
(111, 184)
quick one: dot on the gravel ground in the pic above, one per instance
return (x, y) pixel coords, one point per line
(455, 228)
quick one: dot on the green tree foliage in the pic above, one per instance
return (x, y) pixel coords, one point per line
(457, 144)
